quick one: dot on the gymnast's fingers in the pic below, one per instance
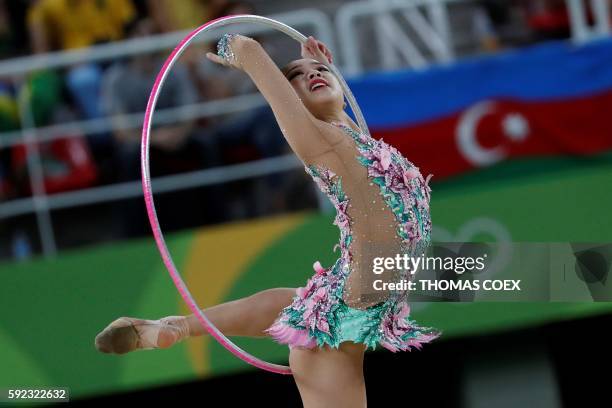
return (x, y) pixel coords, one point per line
(320, 45)
(317, 50)
(303, 50)
(308, 51)
(327, 52)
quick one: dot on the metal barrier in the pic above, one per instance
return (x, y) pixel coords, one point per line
(434, 32)
(581, 31)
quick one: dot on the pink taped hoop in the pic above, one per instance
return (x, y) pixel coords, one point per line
(157, 234)
(146, 177)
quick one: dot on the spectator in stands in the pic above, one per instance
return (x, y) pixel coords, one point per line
(214, 82)
(9, 120)
(56, 25)
(174, 147)
(171, 15)
(66, 162)
(488, 15)
(542, 20)
(550, 19)
(70, 24)
(5, 185)
(11, 39)
(12, 29)
(547, 19)
(243, 135)
(9, 115)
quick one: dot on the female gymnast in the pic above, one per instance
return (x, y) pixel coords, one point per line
(382, 209)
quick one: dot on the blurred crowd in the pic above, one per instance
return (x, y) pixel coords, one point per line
(541, 20)
(118, 88)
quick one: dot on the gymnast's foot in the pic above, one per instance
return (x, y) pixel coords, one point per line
(129, 334)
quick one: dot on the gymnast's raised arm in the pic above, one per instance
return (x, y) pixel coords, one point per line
(296, 122)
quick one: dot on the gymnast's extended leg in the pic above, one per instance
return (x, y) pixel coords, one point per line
(248, 317)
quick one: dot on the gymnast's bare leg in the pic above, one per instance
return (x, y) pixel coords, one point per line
(329, 377)
(247, 317)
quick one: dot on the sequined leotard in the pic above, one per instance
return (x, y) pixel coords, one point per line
(382, 209)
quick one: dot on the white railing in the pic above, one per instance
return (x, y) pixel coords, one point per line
(315, 19)
(392, 40)
(427, 18)
(164, 184)
(581, 31)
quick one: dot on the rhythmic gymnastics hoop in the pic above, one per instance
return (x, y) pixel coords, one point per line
(146, 176)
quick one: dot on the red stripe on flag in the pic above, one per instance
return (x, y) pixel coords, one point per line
(493, 131)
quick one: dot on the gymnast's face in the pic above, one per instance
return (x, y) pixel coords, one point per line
(316, 86)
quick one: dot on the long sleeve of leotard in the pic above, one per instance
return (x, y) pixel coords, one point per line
(295, 120)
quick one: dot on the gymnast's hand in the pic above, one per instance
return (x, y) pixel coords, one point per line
(317, 50)
(228, 50)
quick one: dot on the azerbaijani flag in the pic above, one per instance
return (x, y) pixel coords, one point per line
(552, 99)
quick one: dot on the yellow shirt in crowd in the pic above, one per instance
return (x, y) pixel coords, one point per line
(81, 23)
(184, 14)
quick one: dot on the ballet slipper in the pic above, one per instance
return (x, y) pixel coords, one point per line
(129, 334)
